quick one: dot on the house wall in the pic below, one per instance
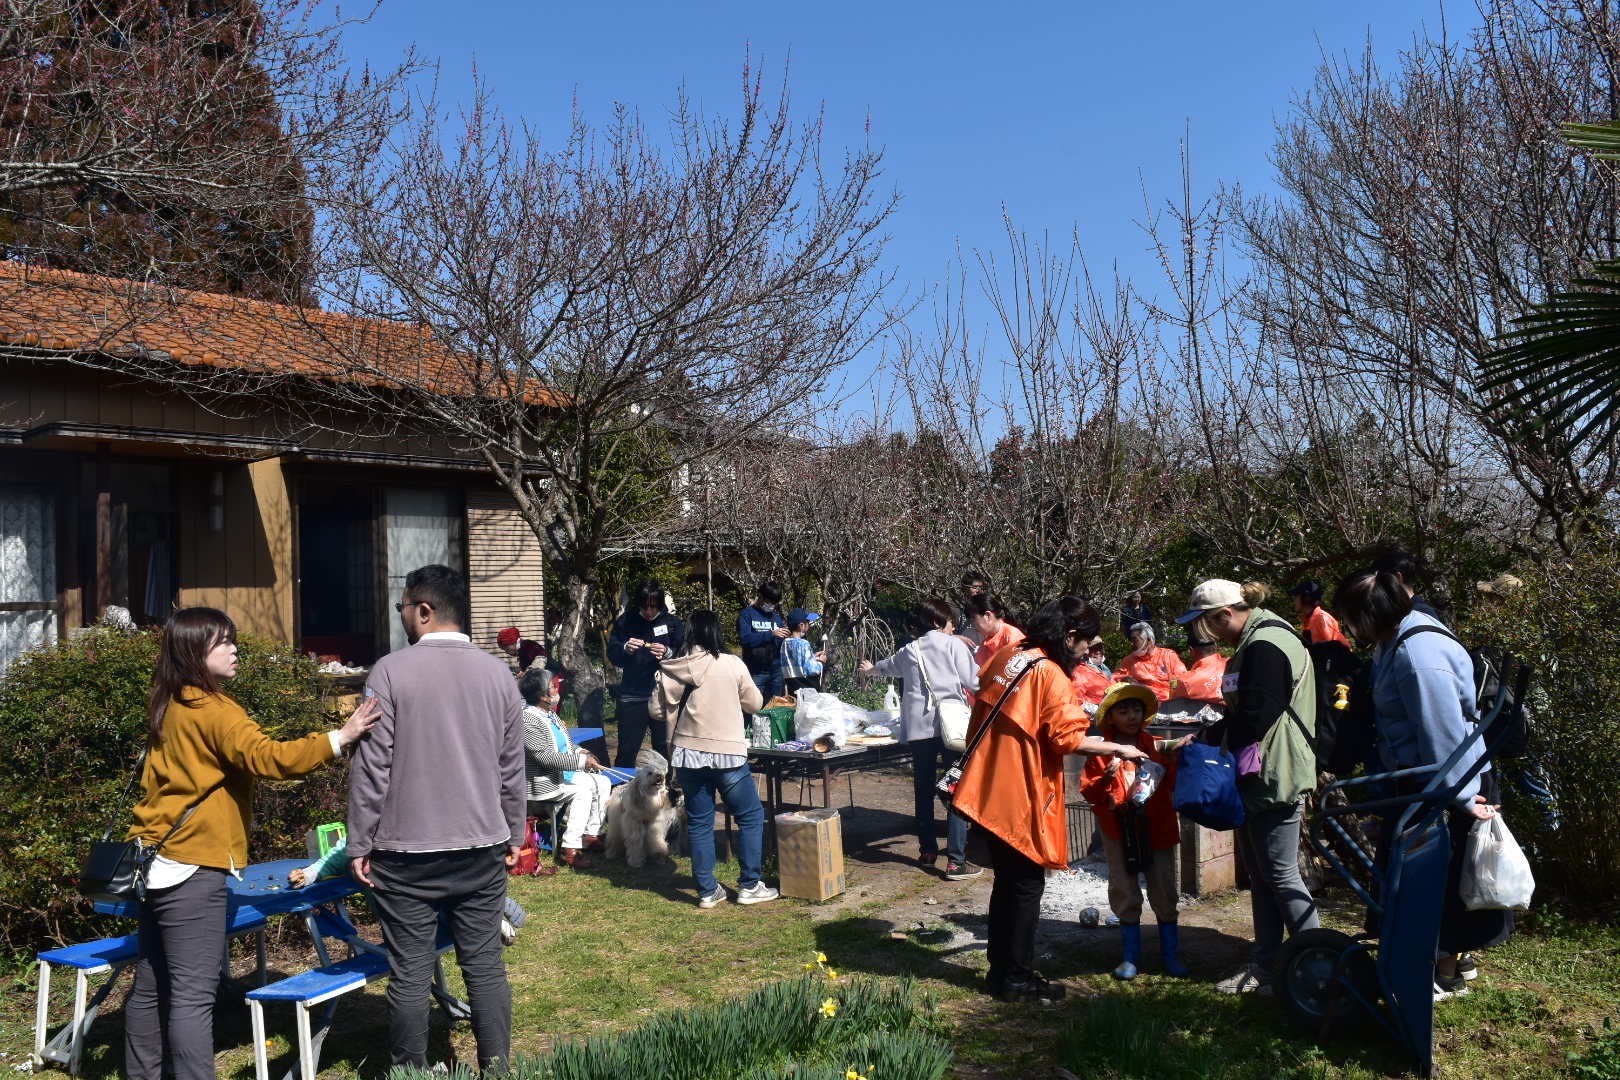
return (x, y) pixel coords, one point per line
(504, 569)
(244, 566)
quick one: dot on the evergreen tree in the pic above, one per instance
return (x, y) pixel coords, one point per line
(142, 139)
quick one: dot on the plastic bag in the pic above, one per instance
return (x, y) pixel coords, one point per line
(1495, 873)
(819, 714)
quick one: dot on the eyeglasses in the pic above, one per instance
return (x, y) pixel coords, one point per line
(400, 607)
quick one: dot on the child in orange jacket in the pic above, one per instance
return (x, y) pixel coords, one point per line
(1140, 838)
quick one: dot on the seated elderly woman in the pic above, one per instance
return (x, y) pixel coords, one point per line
(1150, 664)
(558, 771)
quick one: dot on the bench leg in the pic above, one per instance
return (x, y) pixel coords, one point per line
(81, 1020)
(261, 1052)
(42, 1013)
(307, 1047)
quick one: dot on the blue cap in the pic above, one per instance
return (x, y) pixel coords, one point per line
(799, 615)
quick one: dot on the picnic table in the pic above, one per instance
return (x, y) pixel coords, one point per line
(779, 765)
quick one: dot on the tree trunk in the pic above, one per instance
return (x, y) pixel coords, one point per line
(569, 636)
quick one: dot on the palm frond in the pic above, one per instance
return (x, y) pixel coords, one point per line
(1559, 368)
(1602, 138)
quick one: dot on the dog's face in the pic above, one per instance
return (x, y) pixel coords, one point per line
(651, 786)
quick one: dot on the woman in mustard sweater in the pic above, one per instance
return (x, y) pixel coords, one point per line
(203, 752)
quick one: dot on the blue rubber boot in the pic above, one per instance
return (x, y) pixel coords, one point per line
(1170, 950)
(1131, 934)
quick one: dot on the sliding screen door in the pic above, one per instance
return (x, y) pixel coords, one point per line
(424, 526)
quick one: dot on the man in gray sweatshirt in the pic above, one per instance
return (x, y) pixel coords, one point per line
(436, 805)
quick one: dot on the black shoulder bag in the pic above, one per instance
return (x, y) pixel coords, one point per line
(946, 788)
(115, 870)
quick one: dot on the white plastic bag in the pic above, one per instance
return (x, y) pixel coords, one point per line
(1495, 873)
(818, 714)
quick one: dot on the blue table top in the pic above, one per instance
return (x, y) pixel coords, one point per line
(584, 734)
(263, 888)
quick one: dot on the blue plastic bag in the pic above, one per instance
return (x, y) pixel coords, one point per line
(1206, 787)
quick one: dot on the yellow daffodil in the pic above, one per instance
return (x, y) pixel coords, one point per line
(809, 967)
(831, 974)
(821, 958)
(829, 1007)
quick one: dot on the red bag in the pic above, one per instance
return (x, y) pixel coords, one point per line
(528, 860)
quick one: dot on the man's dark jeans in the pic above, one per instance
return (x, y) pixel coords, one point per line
(467, 888)
(634, 724)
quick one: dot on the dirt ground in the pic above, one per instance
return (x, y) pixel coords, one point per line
(888, 890)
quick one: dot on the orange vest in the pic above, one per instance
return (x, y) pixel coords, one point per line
(1203, 680)
(1321, 626)
(1156, 671)
(1012, 783)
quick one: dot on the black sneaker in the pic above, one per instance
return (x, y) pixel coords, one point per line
(1466, 967)
(1449, 986)
(961, 871)
(1036, 989)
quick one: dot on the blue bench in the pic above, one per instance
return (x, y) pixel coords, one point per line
(323, 986)
(107, 956)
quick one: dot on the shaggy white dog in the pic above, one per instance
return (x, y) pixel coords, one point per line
(645, 815)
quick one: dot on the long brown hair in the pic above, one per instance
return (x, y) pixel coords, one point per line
(188, 638)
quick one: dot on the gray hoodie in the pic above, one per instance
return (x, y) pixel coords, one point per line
(722, 691)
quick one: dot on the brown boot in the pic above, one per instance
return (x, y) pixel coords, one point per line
(594, 843)
(576, 858)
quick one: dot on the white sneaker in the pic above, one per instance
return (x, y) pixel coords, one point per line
(757, 893)
(714, 899)
(508, 933)
(1252, 979)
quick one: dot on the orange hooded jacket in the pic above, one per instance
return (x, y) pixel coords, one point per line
(1012, 783)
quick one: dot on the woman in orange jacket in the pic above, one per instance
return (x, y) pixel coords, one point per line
(1150, 664)
(1203, 680)
(1140, 838)
(1012, 782)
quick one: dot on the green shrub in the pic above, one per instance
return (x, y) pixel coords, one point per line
(73, 719)
(780, 1030)
(1566, 621)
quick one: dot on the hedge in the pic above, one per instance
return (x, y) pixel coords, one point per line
(73, 721)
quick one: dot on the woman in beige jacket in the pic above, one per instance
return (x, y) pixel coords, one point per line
(702, 696)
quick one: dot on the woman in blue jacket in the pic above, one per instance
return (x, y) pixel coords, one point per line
(1424, 708)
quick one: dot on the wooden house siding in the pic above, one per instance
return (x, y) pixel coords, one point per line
(504, 569)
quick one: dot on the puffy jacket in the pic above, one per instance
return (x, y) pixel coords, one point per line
(722, 691)
(1012, 783)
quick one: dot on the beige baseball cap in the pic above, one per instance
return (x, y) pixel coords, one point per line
(1209, 595)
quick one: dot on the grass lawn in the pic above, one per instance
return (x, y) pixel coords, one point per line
(604, 950)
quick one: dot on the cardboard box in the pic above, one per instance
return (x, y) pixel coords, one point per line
(810, 854)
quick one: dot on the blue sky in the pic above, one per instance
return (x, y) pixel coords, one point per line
(1060, 112)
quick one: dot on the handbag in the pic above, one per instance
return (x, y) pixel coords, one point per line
(1206, 788)
(114, 871)
(946, 787)
(951, 716)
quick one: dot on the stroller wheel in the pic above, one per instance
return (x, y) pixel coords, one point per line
(1303, 978)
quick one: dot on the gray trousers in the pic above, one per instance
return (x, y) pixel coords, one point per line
(169, 1017)
(467, 890)
(1278, 898)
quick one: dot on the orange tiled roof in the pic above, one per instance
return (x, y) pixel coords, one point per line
(64, 311)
